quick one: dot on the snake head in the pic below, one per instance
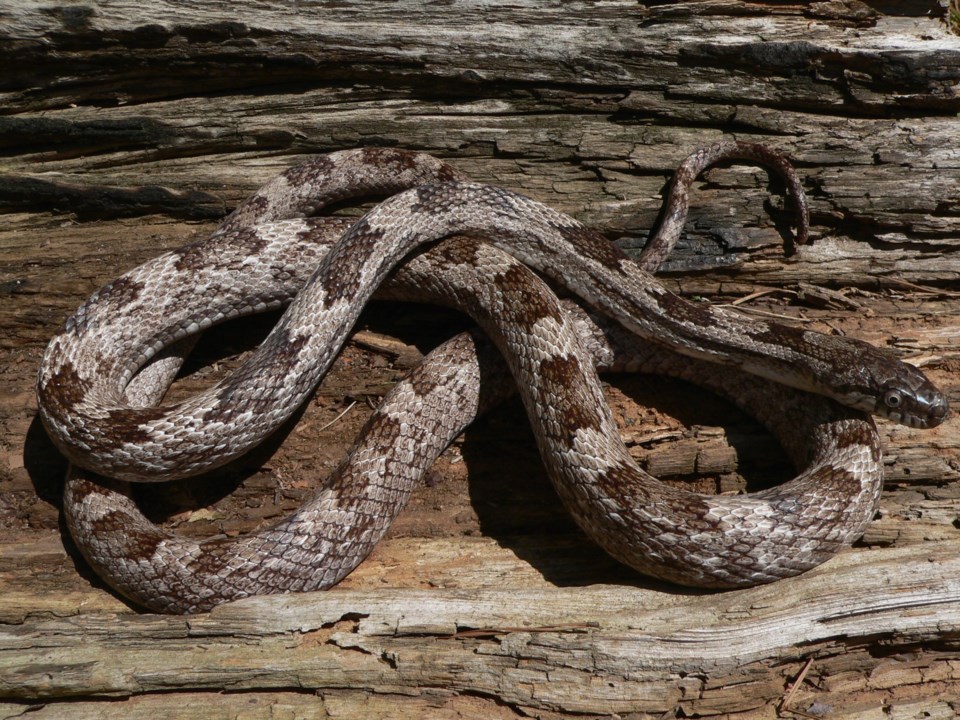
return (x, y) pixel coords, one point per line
(912, 400)
(884, 385)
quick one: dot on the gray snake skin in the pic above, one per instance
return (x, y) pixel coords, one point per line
(101, 414)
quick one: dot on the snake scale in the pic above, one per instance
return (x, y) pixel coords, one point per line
(270, 251)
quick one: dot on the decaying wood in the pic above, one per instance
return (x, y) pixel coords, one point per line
(127, 129)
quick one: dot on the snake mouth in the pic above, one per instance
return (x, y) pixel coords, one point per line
(925, 413)
(937, 412)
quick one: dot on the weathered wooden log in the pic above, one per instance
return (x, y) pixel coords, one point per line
(128, 129)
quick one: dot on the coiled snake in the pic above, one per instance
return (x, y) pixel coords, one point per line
(100, 412)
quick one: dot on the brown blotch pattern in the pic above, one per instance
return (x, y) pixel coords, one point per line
(64, 388)
(575, 408)
(458, 250)
(343, 276)
(446, 173)
(523, 303)
(123, 425)
(214, 560)
(843, 482)
(592, 245)
(390, 158)
(429, 197)
(116, 524)
(239, 242)
(422, 383)
(249, 212)
(80, 490)
(406, 161)
(308, 172)
(380, 426)
(118, 294)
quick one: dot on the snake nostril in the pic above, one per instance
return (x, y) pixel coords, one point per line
(941, 410)
(934, 414)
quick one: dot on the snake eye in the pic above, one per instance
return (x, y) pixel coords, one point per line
(892, 399)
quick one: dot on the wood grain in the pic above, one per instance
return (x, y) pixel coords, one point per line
(130, 128)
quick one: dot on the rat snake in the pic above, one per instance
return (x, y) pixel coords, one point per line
(101, 412)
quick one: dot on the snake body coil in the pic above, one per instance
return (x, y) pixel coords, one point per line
(101, 414)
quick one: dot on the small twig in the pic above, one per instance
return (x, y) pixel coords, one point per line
(919, 288)
(796, 684)
(382, 343)
(760, 293)
(345, 411)
(764, 313)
